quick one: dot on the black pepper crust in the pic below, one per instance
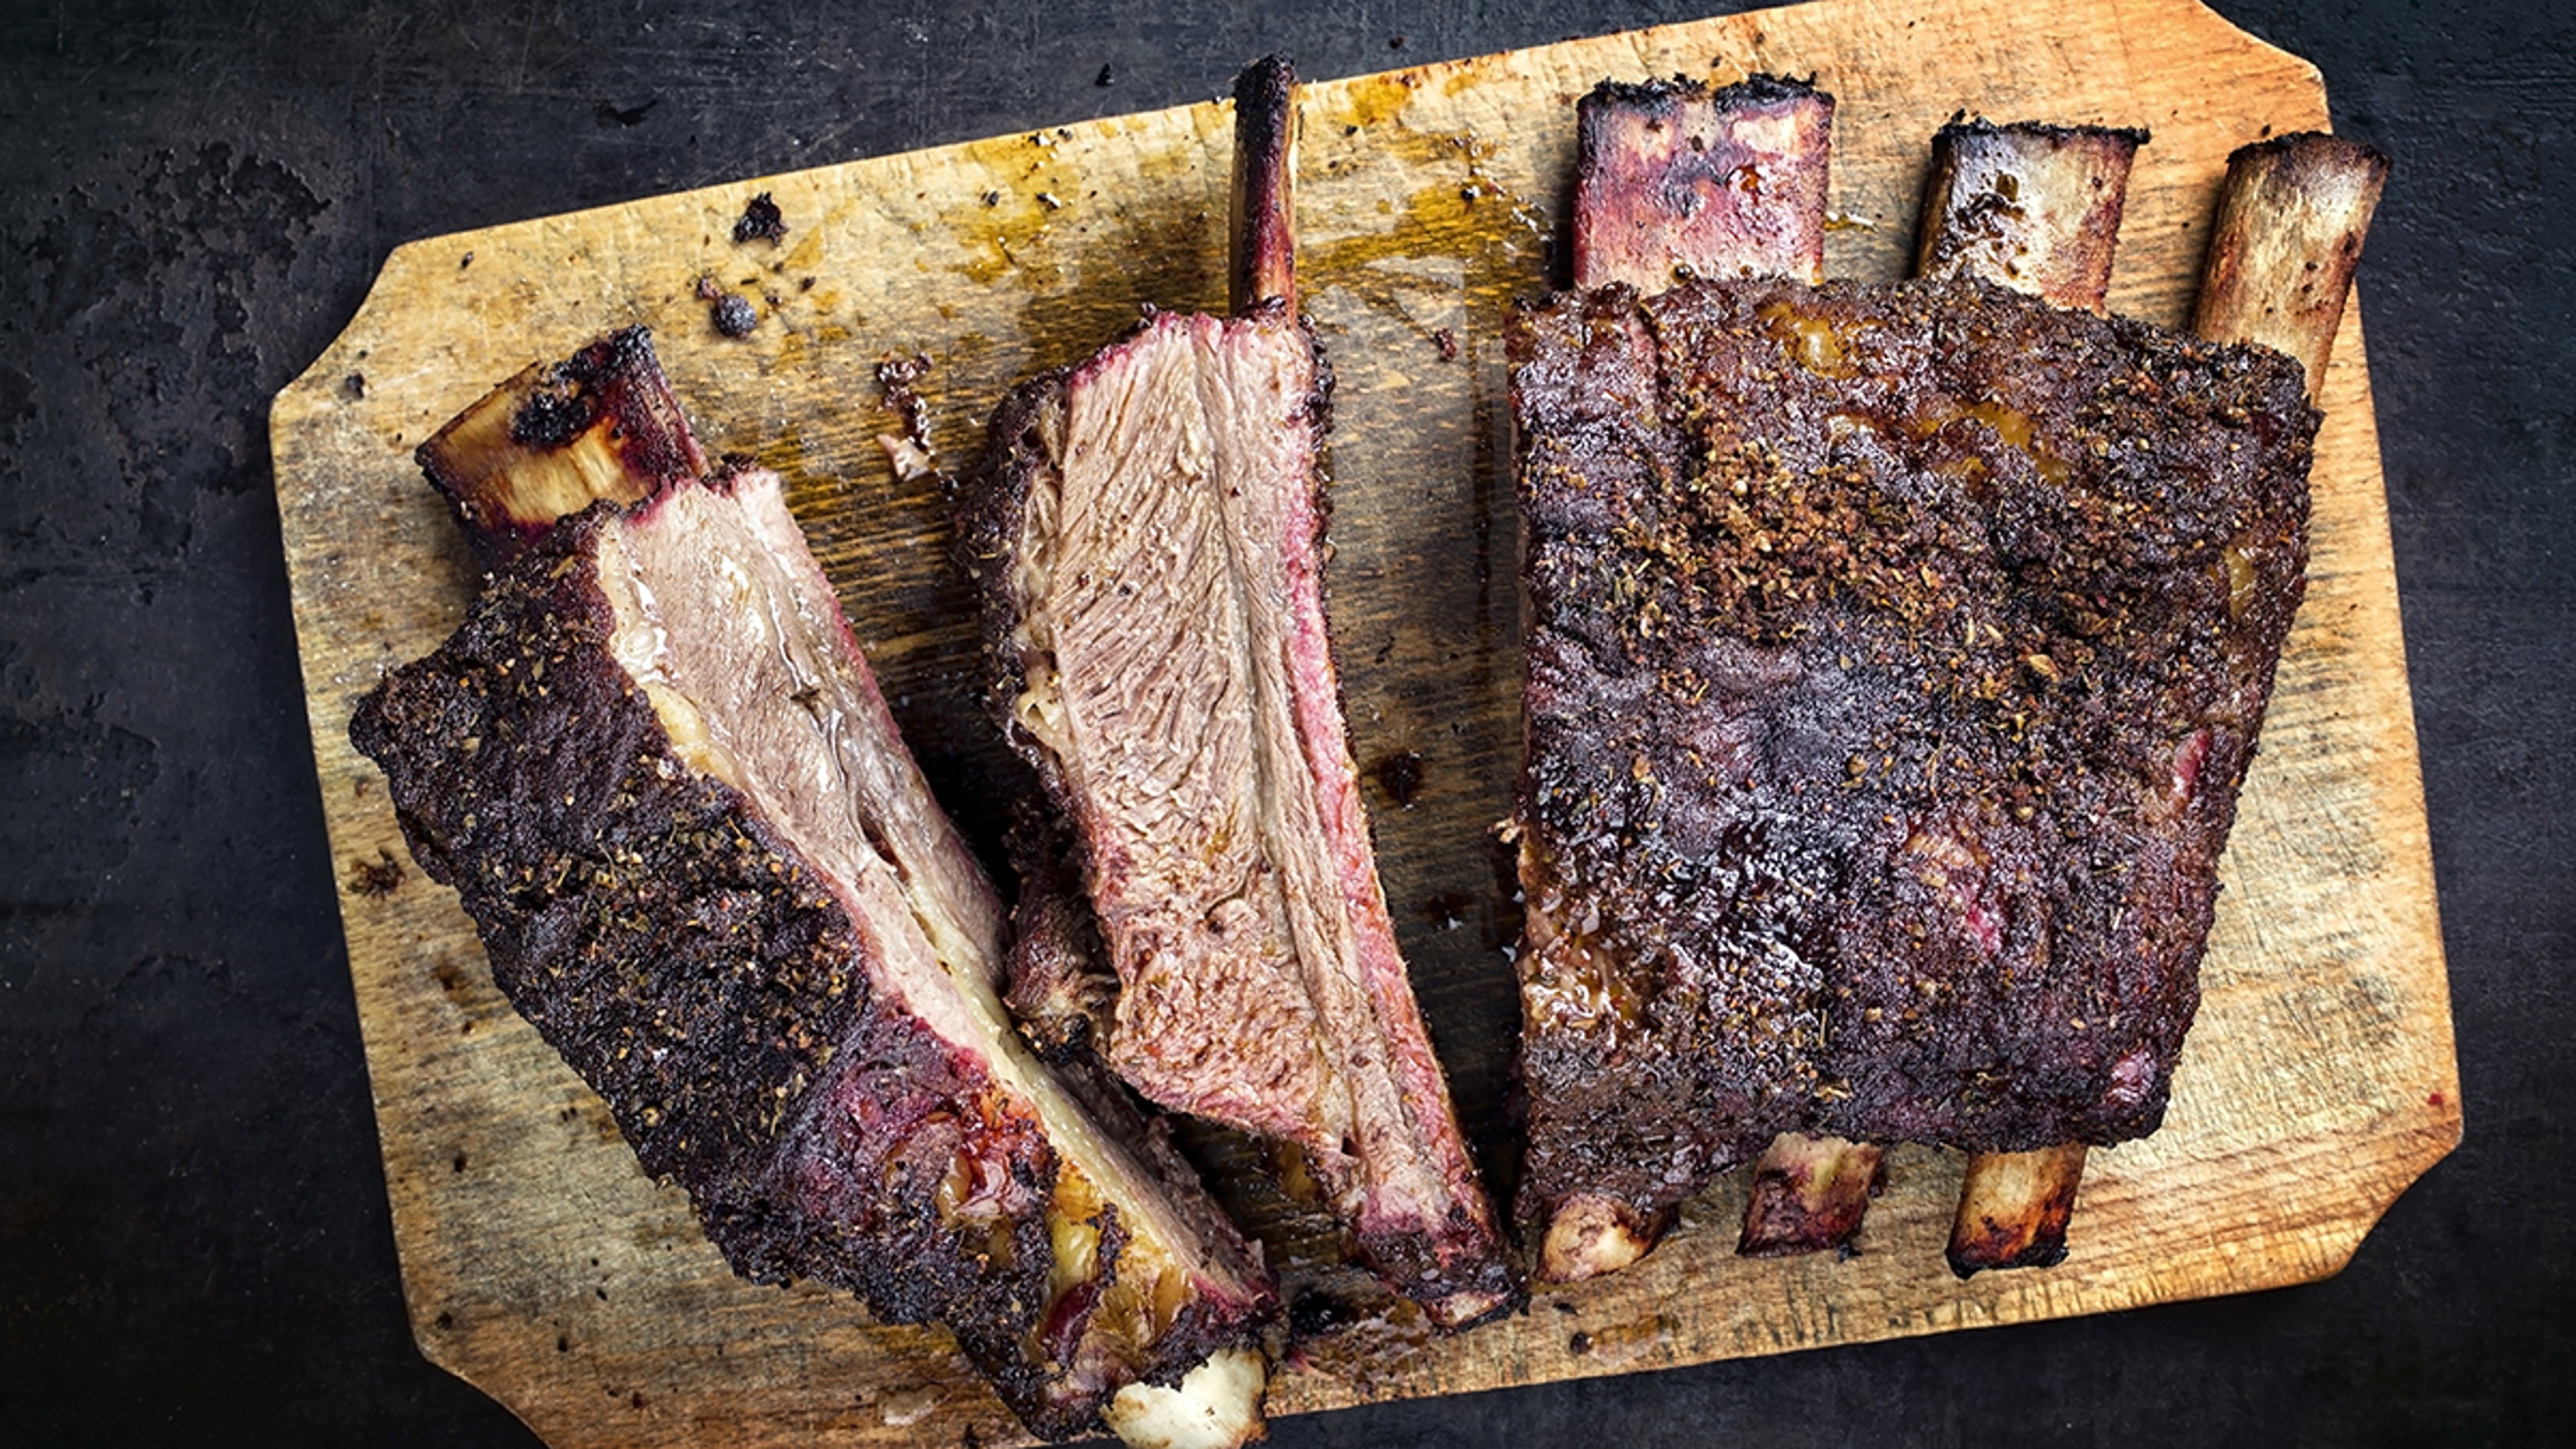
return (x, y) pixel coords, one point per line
(1897, 654)
(705, 981)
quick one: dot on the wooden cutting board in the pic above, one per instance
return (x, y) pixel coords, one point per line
(541, 1265)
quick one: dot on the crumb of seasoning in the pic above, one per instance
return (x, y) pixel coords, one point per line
(354, 386)
(897, 379)
(731, 314)
(760, 221)
(377, 877)
(1447, 342)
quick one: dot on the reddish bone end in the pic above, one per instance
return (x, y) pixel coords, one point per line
(1672, 178)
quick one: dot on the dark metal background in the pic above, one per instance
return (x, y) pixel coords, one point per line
(193, 198)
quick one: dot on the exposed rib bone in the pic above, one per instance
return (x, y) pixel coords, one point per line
(1261, 233)
(2282, 250)
(2032, 207)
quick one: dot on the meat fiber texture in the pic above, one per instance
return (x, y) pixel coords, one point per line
(661, 777)
(1148, 531)
(1896, 653)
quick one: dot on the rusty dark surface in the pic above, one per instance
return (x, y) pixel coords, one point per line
(194, 1242)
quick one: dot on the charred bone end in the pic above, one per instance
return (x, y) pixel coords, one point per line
(2028, 206)
(601, 424)
(2291, 218)
(1261, 235)
(1590, 1235)
(1809, 1194)
(2014, 1209)
(1674, 179)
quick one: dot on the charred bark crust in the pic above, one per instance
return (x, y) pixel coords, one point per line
(1897, 654)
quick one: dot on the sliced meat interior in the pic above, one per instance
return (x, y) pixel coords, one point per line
(1148, 528)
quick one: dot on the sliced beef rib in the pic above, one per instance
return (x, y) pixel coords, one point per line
(1149, 534)
(658, 771)
(1147, 528)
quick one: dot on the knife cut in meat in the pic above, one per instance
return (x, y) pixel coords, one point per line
(1896, 654)
(658, 771)
(1147, 530)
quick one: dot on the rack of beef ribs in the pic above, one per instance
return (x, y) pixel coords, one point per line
(1147, 530)
(1896, 653)
(659, 773)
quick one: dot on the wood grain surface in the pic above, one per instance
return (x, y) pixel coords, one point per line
(541, 1265)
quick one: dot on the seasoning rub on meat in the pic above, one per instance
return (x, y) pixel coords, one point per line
(1896, 654)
